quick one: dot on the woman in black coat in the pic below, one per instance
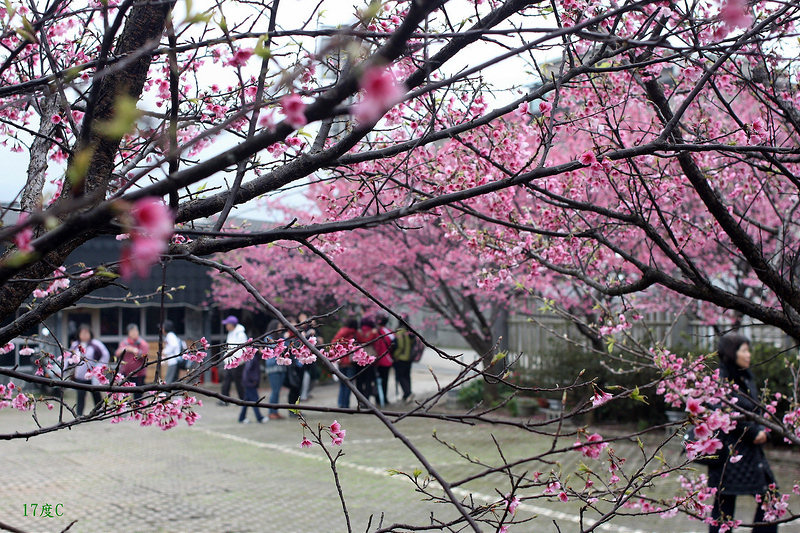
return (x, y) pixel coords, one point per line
(751, 474)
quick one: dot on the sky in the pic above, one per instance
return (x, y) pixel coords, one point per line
(337, 12)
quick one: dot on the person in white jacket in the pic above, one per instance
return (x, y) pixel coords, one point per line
(171, 352)
(237, 336)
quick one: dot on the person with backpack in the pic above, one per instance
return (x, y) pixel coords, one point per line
(402, 363)
(276, 374)
(237, 336)
(251, 378)
(92, 353)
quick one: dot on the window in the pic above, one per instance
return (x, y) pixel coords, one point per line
(109, 321)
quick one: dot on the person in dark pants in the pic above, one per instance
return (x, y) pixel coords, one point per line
(294, 372)
(92, 353)
(132, 356)
(345, 334)
(237, 336)
(751, 474)
(402, 363)
(251, 377)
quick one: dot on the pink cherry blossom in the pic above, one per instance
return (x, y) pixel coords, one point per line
(512, 503)
(694, 406)
(152, 218)
(294, 108)
(240, 57)
(381, 91)
(587, 158)
(22, 402)
(600, 397)
(152, 229)
(306, 443)
(24, 237)
(736, 14)
(545, 107)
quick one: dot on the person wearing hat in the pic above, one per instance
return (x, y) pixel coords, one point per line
(237, 336)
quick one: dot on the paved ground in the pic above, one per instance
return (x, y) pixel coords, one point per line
(220, 476)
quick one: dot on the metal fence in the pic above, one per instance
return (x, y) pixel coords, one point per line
(535, 338)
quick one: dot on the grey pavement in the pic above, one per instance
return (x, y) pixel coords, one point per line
(222, 476)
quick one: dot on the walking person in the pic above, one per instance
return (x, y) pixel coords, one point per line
(402, 363)
(171, 352)
(92, 353)
(384, 345)
(294, 371)
(237, 336)
(366, 376)
(132, 356)
(251, 378)
(311, 373)
(276, 374)
(751, 474)
(346, 366)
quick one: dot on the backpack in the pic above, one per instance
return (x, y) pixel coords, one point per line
(417, 349)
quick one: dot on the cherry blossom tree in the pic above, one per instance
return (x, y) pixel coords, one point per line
(651, 152)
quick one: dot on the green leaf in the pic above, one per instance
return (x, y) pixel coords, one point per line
(639, 397)
(18, 259)
(370, 12)
(205, 18)
(260, 50)
(125, 116)
(105, 273)
(26, 31)
(499, 356)
(417, 472)
(76, 172)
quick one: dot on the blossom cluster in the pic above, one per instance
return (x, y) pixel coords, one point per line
(197, 356)
(11, 396)
(342, 349)
(335, 431)
(163, 412)
(60, 282)
(242, 356)
(303, 354)
(150, 234)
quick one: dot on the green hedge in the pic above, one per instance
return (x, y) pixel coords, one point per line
(561, 368)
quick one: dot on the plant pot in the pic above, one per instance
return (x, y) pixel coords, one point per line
(526, 406)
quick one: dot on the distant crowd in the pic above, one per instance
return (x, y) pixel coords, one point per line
(88, 360)
(391, 350)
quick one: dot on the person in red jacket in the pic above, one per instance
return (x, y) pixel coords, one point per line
(384, 361)
(365, 379)
(346, 366)
(132, 356)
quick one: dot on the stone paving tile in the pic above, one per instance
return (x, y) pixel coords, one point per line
(220, 476)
